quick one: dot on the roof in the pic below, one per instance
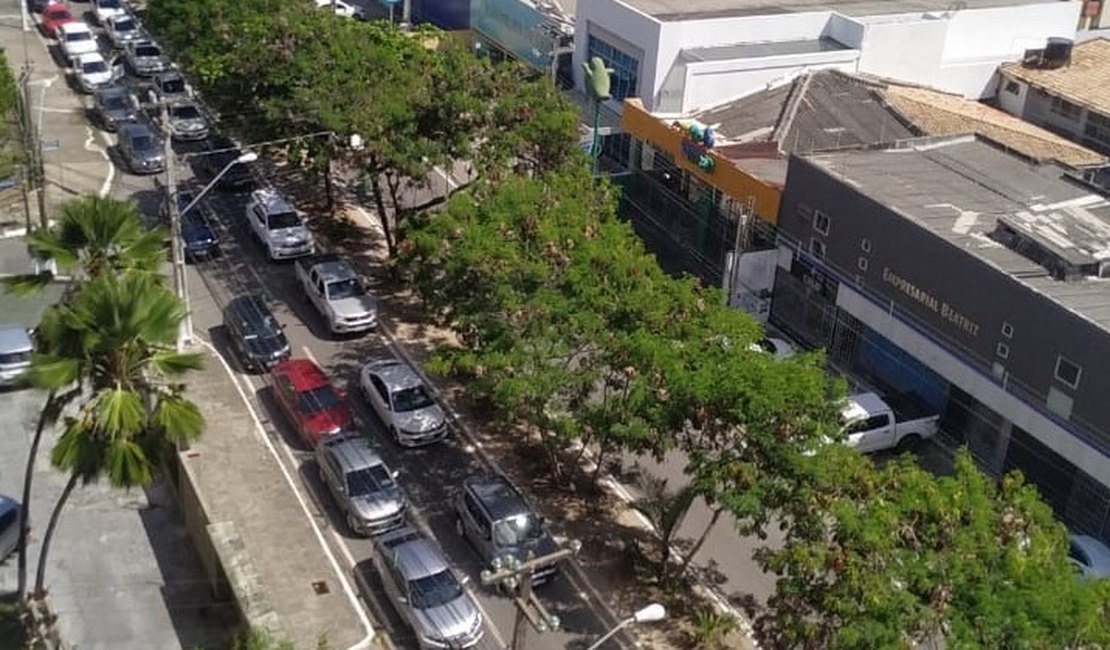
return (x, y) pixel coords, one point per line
(1085, 80)
(398, 375)
(672, 10)
(963, 188)
(419, 558)
(75, 26)
(14, 338)
(498, 496)
(272, 200)
(862, 405)
(304, 374)
(352, 452)
(939, 113)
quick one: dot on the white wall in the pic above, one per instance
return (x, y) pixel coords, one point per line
(1007, 32)
(904, 50)
(630, 25)
(716, 82)
(1014, 104)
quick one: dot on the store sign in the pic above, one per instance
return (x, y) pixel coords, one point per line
(519, 28)
(697, 140)
(946, 311)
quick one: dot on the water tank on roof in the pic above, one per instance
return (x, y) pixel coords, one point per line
(1057, 52)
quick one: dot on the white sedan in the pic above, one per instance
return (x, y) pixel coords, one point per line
(75, 39)
(402, 402)
(341, 8)
(103, 9)
(91, 71)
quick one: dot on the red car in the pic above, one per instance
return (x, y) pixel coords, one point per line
(55, 16)
(315, 408)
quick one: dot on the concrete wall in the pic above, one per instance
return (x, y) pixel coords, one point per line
(711, 83)
(906, 50)
(1012, 102)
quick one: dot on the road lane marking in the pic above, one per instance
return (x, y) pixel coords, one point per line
(260, 431)
(90, 145)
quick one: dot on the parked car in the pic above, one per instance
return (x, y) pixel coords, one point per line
(278, 226)
(114, 105)
(255, 334)
(91, 72)
(39, 6)
(342, 8)
(870, 423)
(15, 354)
(361, 483)
(76, 38)
(104, 9)
(425, 590)
(198, 238)
(314, 407)
(169, 87)
(141, 148)
(9, 526)
(123, 29)
(1090, 556)
(493, 516)
(187, 122)
(223, 152)
(145, 58)
(778, 348)
(336, 291)
(54, 16)
(402, 402)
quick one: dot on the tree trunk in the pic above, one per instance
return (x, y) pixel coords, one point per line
(383, 217)
(25, 505)
(40, 575)
(684, 563)
(329, 191)
(601, 449)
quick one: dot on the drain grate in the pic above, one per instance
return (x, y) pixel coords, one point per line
(321, 588)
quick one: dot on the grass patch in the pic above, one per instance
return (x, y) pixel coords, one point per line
(12, 634)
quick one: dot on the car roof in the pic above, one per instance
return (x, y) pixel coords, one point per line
(7, 503)
(108, 91)
(1096, 550)
(135, 129)
(418, 558)
(58, 8)
(397, 375)
(169, 75)
(14, 338)
(334, 270)
(75, 26)
(352, 452)
(303, 373)
(272, 200)
(863, 405)
(87, 56)
(146, 42)
(497, 495)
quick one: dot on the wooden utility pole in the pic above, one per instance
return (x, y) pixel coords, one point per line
(516, 577)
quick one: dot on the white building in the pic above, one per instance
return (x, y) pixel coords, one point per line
(681, 56)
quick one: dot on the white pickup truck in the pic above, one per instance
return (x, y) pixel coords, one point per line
(870, 424)
(337, 293)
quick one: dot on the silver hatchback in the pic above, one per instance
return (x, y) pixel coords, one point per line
(425, 590)
(365, 489)
(15, 354)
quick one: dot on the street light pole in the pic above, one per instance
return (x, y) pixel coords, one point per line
(516, 576)
(651, 613)
(597, 87)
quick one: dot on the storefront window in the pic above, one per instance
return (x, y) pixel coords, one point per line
(625, 75)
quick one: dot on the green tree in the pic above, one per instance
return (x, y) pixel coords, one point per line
(666, 509)
(891, 557)
(119, 335)
(92, 237)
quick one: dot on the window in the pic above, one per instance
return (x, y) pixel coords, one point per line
(1098, 129)
(861, 263)
(817, 248)
(1065, 109)
(1002, 350)
(1067, 372)
(1012, 87)
(1008, 330)
(626, 68)
(821, 222)
(477, 515)
(865, 245)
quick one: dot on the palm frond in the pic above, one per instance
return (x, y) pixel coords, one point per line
(28, 284)
(174, 364)
(117, 413)
(178, 418)
(126, 463)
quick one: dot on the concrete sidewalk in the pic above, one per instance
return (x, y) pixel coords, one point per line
(250, 523)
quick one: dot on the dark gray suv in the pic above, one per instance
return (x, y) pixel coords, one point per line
(359, 481)
(114, 105)
(499, 523)
(141, 148)
(256, 336)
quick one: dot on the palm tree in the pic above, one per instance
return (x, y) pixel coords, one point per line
(93, 236)
(125, 328)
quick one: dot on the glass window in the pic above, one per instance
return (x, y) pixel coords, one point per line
(411, 399)
(1065, 109)
(278, 220)
(318, 399)
(435, 590)
(368, 480)
(625, 75)
(516, 530)
(1067, 372)
(1098, 129)
(341, 289)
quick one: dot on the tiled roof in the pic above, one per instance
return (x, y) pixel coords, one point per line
(939, 113)
(1085, 80)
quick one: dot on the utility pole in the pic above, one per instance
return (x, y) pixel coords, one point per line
(32, 145)
(177, 252)
(516, 577)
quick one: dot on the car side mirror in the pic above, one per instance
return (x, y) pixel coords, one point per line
(342, 489)
(403, 600)
(395, 474)
(464, 579)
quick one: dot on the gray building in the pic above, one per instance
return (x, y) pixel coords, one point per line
(953, 269)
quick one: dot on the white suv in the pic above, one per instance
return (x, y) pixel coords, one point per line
(75, 39)
(277, 225)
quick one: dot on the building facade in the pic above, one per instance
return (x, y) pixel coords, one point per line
(956, 271)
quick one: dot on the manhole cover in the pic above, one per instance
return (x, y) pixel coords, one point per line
(320, 587)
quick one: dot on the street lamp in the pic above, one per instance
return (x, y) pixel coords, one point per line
(597, 87)
(247, 157)
(650, 614)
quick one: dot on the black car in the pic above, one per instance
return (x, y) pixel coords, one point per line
(114, 105)
(222, 152)
(257, 337)
(198, 237)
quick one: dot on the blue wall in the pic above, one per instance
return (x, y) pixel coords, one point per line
(516, 27)
(448, 15)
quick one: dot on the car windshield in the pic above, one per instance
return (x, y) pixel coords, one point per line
(435, 590)
(341, 289)
(93, 67)
(264, 327)
(75, 37)
(319, 399)
(115, 102)
(109, 4)
(124, 25)
(142, 142)
(277, 220)
(173, 86)
(410, 399)
(147, 50)
(7, 358)
(516, 530)
(186, 112)
(368, 480)
(193, 221)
